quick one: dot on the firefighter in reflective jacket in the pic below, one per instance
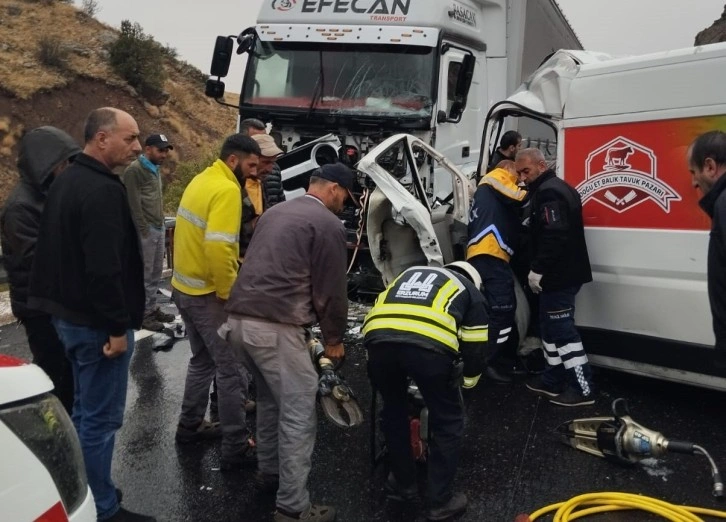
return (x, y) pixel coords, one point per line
(430, 325)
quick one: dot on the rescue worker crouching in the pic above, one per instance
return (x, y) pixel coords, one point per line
(430, 324)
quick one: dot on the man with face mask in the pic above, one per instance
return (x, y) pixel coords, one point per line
(206, 253)
(293, 276)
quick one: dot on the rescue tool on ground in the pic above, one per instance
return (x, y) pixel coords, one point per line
(335, 396)
(620, 439)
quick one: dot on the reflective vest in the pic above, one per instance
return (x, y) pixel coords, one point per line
(429, 307)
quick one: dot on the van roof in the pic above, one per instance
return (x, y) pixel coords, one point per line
(670, 80)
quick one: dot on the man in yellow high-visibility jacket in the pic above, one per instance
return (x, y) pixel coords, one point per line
(206, 253)
(430, 325)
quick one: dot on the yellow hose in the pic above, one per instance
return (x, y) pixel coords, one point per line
(592, 503)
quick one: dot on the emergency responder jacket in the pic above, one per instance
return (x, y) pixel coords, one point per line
(714, 204)
(436, 309)
(494, 221)
(557, 234)
(206, 237)
(41, 150)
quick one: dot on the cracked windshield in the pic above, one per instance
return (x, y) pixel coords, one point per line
(342, 79)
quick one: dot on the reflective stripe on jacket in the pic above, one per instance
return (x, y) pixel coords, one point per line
(432, 308)
(206, 237)
(494, 218)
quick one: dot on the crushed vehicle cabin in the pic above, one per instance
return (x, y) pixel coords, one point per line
(335, 79)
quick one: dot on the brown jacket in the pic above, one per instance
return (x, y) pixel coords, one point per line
(294, 270)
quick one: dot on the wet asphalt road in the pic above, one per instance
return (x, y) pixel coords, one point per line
(511, 461)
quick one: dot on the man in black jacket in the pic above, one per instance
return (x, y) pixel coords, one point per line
(508, 146)
(45, 152)
(707, 164)
(88, 274)
(560, 266)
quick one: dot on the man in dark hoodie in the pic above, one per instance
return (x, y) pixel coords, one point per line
(45, 152)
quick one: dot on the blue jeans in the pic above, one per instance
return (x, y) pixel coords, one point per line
(98, 404)
(567, 361)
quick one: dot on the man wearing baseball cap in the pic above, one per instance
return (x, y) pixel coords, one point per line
(143, 187)
(254, 193)
(293, 276)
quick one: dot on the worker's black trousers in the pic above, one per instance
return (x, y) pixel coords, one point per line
(498, 289)
(49, 353)
(389, 365)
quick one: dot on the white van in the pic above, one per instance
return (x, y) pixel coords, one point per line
(42, 476)
(618, 131)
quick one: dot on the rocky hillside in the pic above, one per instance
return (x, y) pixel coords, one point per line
(714, 34)
(32, 93)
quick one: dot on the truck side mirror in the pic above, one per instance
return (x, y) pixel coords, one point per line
(463, 84)
(222, 56)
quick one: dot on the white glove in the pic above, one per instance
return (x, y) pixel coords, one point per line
(534, 280)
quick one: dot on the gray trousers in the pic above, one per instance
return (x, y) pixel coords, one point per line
(211, 355)
(287, 384)
(152, 251)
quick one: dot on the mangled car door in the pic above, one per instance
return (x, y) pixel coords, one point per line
(403, 228)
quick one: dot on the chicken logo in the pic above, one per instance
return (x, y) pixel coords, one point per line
(622, 174)
(283, 5)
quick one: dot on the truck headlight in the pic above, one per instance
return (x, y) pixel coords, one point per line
(43, 425)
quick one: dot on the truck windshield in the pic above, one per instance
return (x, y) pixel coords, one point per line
(356, 79)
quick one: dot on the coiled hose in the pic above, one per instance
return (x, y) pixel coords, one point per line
(593, 503)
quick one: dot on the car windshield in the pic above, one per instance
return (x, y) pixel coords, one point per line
(355, 79)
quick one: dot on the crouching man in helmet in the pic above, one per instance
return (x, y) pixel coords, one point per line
(430, 325)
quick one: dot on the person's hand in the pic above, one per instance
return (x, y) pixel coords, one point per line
(115, 346)
(334, 351)
(534, 282)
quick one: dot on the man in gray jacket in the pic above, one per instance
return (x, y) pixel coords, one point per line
(293, 276)
(143, 186)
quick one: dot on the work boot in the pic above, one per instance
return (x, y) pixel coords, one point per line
(455, 506)
(151, 323)
(571, 397)
(492, 374)
(394, 491)
(124, 515)
(162, 316)
(537, 385)
(205, 431)
(267, 482)
(312, 514)
(245, 459)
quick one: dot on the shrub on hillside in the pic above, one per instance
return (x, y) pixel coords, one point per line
(185, 171)
(138, 59)
(90, 8)
(52, 52)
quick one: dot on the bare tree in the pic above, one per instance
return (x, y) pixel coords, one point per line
(90, 7)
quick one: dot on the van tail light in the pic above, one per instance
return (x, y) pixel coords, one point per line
(54, 514)
(43, 425)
